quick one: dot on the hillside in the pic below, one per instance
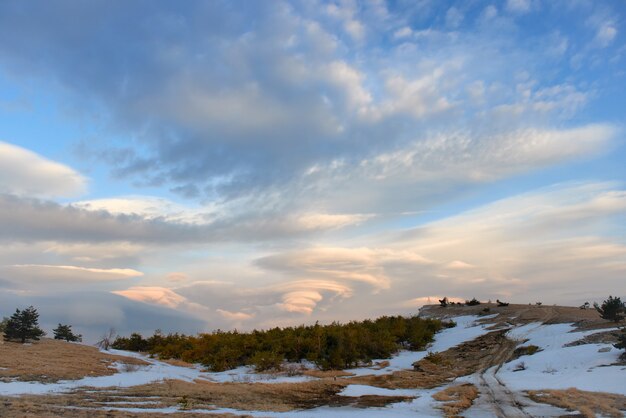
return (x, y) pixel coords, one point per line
(514, 361)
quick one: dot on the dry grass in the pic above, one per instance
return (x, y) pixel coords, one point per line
(322, 374)
(63, 406)
(179, 363)
(586, 403)
(52, 360)
(245, 396)
(456, 398)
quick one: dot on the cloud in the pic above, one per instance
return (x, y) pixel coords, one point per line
(606, 34)
(52, 273)
(288, 93)
(303, 296)
(341, 264)
(518, 6)
(234, 316)
(25, 173)
(153, 295)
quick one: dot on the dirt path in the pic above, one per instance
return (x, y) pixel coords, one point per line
(504, 402)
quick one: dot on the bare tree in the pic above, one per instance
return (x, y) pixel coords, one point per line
(107, 339)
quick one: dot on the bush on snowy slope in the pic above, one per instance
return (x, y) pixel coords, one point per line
(621, 341)
(611, 309)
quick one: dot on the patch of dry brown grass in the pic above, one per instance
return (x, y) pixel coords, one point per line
(586, 403)
(179, 363)
(50, 360)
(277, 397)
(321, 374)
(456, 398)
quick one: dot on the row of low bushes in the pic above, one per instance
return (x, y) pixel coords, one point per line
(334, 346)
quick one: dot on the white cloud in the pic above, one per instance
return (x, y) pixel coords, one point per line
(43, 273)
(454, 17)
(403, 32)
(518, 6)
(234, 316)
(606, 34)
(149, 207)
(152, 294)
(22, 172)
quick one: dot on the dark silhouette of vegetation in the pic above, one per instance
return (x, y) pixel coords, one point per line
(611, 309)
(443, 302)
(334, 346)
(472, 302)
(501, 304)
(64, 332)
(23, 326)
(621, 340)
(585, 306)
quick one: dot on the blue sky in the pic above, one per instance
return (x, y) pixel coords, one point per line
(245, 164)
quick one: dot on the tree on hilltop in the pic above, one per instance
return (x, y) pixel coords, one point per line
(611, 309)
(23, 326)
(64, 332)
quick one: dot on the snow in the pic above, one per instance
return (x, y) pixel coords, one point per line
(362, 390)
(559, 367)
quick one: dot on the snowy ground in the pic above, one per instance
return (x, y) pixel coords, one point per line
(555, 367)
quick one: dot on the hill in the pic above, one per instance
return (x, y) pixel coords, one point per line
(518, 360)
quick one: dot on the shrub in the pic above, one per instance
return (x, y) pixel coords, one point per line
(527, 350)
(501, 304)
(333, 346)
(64, 332)
(434, 357)
(611, 309)
(443, 302)
(23, 326)
(472, 302)
(266, 361)
(484, 312)
(621, 339)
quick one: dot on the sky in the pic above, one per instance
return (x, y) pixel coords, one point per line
(234, 164)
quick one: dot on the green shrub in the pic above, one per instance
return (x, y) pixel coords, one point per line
(333, 346)
(266, 361)
(611, 309)
(527, 350)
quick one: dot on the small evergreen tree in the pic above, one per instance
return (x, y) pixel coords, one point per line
(64, 332)
(611, 309)
(621, 340)
(23, 325)
(443, 302)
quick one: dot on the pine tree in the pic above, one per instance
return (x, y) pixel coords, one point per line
(611, 309)
(621, 340)
(23, 325)
(64, 332)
